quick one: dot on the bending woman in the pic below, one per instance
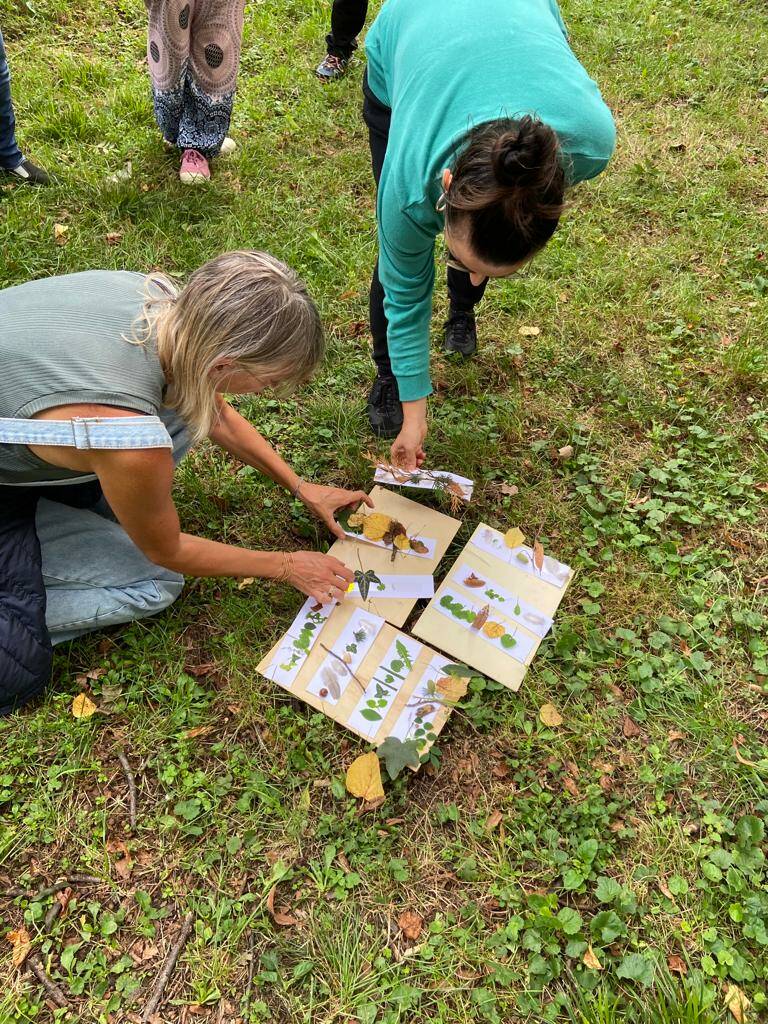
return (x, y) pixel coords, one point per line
(479, 116)
(108, 377)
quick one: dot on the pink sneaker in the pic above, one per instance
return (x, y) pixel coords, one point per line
(194, 168)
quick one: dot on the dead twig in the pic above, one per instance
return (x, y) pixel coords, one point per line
(63, 883)
(333, 654)
(53, 990)
(251, 970)
(131, 788)
(168, 968)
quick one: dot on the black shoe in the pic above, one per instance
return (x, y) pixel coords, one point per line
(385, 414)
(332, 67)
(29, 172)
(461, 334)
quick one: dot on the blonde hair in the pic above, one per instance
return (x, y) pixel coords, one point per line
(242, 306)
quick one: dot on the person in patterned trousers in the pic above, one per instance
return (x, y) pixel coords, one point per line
(193, 52)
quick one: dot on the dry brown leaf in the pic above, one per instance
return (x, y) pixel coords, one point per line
(419, 546)
(514, 537)
(60, 233)
(529, 332)
(739, 757)
(280, 914)
(538, 555)
(410, 924)
(452, 687)
(494, 819)
(22, 946)
(200, 670)
(82, 706)
(123, 862)
(510, 490)
(572, 788)
(199, 730)
(246, 582)
(565, 452)
(674, 734)
(550, 716)
(95, 673)
(590, 960)
(113, 237)
(481, 618)
(737, 1003)
(676, 964)
(363, 778)
(630, 728)
(493, 630)
(664, 889)
(473, 581)
(346, 867)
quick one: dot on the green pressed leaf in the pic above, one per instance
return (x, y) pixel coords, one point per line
(460, 671)
(397, 755)
(370, 715)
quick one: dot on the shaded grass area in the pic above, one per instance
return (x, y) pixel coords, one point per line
(635, 829)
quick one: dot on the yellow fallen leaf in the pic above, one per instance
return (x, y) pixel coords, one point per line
(60, 233)
(246, 581)
(21, 944)
(494, 630)
(82, 706)
(590, 960)
(514, 537)
(364, 777)
(550, 716)
(737, 1003)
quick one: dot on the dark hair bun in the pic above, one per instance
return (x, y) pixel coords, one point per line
(521, 154)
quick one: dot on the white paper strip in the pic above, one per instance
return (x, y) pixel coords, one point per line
(509, 604)
(336, 670)
(397, 586)
(298, 642)
(429, 480)
(492, 541)
(514, 642)
(428, 542)
(416, 718)
(384, 686)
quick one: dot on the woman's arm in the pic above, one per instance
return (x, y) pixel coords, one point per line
(137, 485)
(235, 434)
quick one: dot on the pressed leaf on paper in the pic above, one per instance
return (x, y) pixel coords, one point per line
(514, 537)
(550, 716)
(82, 706)
(494, 630)
(419, 546)
(363, 778)
(481, 618)
(538, 555)
(451, 687)
(473, 581)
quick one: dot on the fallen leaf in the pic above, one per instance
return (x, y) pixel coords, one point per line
(60, 233)
(473, 581)
(481, 618)
(22, 946)
(740, 758)
(363, 778)
(674, 734)
(113, 237)
(549, 715)
(510, 490)
(630, 728)
(82, 706)
(565, 452)
(677, 964)
(246, 582)
(123, 862)
(199, 730)
(572, 788)
(737, 1003)
(280, 914)
(664, 889)
(200, 670)
(514, 537)
(95, 673)
(494, 819)
(410, 924)
(538, 555)
(341, 857)
(590, 960)
(529, 332)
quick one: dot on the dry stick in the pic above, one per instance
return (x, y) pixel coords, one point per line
(64, 883)
(131, 787)
(251, 970)
(170, 963)
(333, 654)
(53, 912)
(50, 987)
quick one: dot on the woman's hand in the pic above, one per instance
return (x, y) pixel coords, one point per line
(325, 501)
(321, 577)
(407, 450)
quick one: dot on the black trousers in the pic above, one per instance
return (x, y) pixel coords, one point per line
(347, 22)
(25, 647)
(463, 295)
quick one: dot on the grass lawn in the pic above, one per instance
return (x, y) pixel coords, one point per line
(633, 833)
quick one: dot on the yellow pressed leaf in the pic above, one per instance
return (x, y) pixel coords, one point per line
(402, 543)
(514, 537)
(21, 944)
(364, 777)
(451, 687)
(82, 706)
(538, 555)
(737, 1003)
(590, 960)
(494, 630)
(550, 716)
(357, 519)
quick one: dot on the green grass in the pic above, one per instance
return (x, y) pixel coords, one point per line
(651, 363)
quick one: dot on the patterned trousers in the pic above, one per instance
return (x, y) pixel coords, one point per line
(193, 51)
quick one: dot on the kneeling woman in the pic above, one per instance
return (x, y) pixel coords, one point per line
(108, 377)
(479, 116)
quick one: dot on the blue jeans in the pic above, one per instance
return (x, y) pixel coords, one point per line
(10, 154)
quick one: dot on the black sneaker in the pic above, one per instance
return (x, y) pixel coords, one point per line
(461, 334)
(385, 414)
(29, 172)
(332, 68)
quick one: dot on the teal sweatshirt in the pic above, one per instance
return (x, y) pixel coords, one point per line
(443, 66)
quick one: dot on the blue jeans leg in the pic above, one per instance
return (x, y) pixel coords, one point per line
(10, 154)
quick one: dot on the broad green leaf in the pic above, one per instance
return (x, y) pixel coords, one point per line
(397, 755)
(570, 920)
(636, 967)
(607, 889)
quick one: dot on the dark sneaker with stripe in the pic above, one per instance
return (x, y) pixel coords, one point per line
(461, 334)
(332, 68)
(385, 413)
(29, 172)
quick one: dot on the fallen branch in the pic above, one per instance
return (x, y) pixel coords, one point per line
(53, 990)
(64, 883)
(251, 970)
(168, 968)
(131, 788)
